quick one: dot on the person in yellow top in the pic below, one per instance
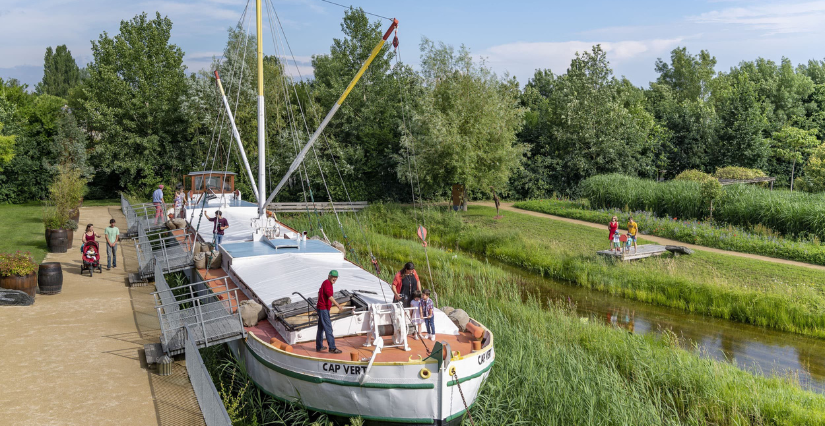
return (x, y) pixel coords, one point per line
(632, 229)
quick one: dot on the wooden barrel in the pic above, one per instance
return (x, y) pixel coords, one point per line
(57, 240)
(50, 278)
(26, 284)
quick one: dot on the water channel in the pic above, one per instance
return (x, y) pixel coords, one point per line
(757, 349)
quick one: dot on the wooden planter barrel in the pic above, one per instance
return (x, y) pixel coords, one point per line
(50, 278)
(57, 240)
(26, 284)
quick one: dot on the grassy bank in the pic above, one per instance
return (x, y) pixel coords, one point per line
(554, 369)
(697, 232)
(783, 297)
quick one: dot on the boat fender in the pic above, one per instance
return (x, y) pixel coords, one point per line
(451, 371)
(476, 345)
(353, 356)
(424, 373)
(274, 342)
(475, 330)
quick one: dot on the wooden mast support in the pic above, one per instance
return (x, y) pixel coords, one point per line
(329, 116)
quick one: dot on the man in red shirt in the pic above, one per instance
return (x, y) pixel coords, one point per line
(325, 302)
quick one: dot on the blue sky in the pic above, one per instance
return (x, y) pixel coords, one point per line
(515, 37)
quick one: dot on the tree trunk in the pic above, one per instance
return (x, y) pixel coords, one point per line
(793, 166)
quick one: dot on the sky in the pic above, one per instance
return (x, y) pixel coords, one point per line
(515, 37)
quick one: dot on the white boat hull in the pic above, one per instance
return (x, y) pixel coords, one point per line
(394, 392)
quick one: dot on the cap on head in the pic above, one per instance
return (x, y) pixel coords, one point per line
(160, 186)
(333, 273)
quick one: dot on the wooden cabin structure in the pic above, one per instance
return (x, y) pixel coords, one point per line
(217, 182)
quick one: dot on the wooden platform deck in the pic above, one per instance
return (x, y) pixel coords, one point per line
(641, 252)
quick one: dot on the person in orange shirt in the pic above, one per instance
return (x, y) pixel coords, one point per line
(405, 283)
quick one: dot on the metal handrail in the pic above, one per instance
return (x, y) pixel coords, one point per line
(195, 283)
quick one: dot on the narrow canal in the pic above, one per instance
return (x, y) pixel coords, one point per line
(760, 350)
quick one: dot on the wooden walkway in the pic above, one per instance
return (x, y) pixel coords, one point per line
(641, 252)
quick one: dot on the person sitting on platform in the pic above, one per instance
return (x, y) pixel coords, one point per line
(405, 282)
(325, 302)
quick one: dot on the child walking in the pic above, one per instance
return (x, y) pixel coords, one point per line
(416, 313)
(427, 314)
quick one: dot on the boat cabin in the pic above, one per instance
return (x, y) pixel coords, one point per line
(217, 182)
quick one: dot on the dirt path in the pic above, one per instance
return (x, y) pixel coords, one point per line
(75, 358)
(658, 240)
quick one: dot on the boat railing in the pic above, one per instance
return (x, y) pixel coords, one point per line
(214, 317)
(141, 213)
(210, 402)
(169, 249)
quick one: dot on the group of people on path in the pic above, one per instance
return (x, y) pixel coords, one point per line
(406, 289)
(614, 236)
(112, 235)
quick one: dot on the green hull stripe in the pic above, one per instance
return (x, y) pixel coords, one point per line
(473, 376)
(458, 414)
(314, 379)
(336, 413)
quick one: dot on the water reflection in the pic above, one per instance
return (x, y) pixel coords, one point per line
(756, 349)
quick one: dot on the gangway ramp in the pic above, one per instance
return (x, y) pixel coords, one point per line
(170, 250)
(213, 316)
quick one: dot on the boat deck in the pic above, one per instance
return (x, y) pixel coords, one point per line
(265, 331)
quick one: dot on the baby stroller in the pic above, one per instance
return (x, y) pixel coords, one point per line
(90, 256)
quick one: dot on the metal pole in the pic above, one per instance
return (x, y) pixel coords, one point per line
(261, 121)
(302, 154)
(237, 137)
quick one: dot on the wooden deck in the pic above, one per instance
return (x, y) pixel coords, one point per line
(641, 252)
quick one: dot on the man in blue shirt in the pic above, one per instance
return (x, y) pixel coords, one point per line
(157, 200)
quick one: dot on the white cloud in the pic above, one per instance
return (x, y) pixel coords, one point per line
(521, 59)
(773, 18)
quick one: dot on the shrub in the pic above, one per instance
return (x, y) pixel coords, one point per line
(733, 172)
(19, 263)
(693, 175)
(814, 180)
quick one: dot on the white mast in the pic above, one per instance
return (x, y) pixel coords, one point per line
(261, 121)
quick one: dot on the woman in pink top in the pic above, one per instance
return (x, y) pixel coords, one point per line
(612, 227)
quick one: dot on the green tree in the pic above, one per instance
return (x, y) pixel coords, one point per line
(688, 76)
(741, 124)
(131, 105)
(6, 147)
(711, 191)
(815, 170)
(60, 72)
(465, 129)
(582, 123)
(70, 146)
(365, 135)
(792, 144)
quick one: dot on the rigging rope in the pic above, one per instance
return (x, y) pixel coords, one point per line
(373, 260)
(350, 7)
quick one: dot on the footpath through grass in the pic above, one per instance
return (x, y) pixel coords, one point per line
(702, 233)
(551, 367)
(783, 297)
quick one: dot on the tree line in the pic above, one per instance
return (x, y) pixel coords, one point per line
(133, 117)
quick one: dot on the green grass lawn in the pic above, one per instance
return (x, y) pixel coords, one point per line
(23, 229)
